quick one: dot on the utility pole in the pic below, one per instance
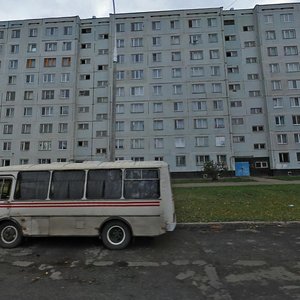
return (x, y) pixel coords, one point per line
(112, 140)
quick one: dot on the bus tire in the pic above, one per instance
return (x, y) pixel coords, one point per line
(10, 235)
(116, 235)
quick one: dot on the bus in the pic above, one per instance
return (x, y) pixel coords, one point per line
(113, 200)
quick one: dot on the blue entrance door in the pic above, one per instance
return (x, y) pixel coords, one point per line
(242, 169)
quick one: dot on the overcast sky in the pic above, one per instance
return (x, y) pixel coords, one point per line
(29, 9)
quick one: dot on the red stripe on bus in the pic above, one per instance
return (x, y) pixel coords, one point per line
(78, 204)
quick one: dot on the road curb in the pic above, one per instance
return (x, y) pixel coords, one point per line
(237, 225)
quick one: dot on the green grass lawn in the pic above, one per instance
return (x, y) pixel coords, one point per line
(238, 203)
(208, 180)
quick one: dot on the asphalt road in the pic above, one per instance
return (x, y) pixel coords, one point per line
(241, 261)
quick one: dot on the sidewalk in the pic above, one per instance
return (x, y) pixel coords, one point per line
(257, 181)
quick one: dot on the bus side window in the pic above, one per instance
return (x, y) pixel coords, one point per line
(67, 185)
(104, 184)
(32, 185)
(5, 188)
(141, 184)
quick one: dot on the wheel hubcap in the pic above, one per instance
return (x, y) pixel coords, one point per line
(9, 234)
(116, 235)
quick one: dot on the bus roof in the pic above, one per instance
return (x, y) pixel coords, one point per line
(84, 165)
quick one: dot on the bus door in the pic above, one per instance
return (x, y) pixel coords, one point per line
(5, 195)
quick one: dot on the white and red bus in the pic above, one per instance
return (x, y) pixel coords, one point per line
(112, 200)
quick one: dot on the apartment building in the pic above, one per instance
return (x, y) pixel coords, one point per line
(191, 86)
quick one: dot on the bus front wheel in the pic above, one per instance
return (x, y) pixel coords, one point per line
(10, 235)
(116, 235)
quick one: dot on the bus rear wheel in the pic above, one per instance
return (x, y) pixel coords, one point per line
(10, 235)
(116, 235)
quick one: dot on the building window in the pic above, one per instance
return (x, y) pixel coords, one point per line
(176, 72)
(15, 33)
(137, 143)
(137, 42)
(268, 19)
(254, 93)
(120, 27)
(137, 91)
(86, 30)
(293, 67)
(214, 54)
(219, 123)
(274, 68)
(236, 103)
(63, 127)
(251, 60)
(137, 58)
(157, 107)
(33, 32)
(179, 124)
(286, 18)
(212, 37)
(47, 111)
(290, 50)
(279, 120)
(26, 129)
(237, 121)
(232, 53)
(289, 34)
(197, 71)
(198, 88)
(259, 146)
(66, 62)
(200, 123)
(296, 119)
(195, 39)
(233, 70)
(199, 105)
(293, 84)
(194, 23)
(158, 125)
(180, 161)
(220, 141)
(119, 144)
(137, 26)
(238, 139)
(46, 128)
(156, 57)
(157, 90)
(62, 145)
(276, 85)
(174, 24)
(258, 128)
(178, 106)
(156, 73)
(175, 40)
(156, 25)
(202, 159)
(282, 139)
(137, 108)
(177, 89)
(284, 157)
(156, 41)
(272, 51)
(49, 62)
(295, 101)
(201, 141)
(137, 125)
(179, 142)
(25, 146)
(10, 96)
(68, 30)
(158, 143)
(297, 138)
(196, 55)
(51, 31)
(248, 28)
(256, 110)
(176, 56)
(270, 35)
(120, 125)
(277, 102)
(249, 44)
